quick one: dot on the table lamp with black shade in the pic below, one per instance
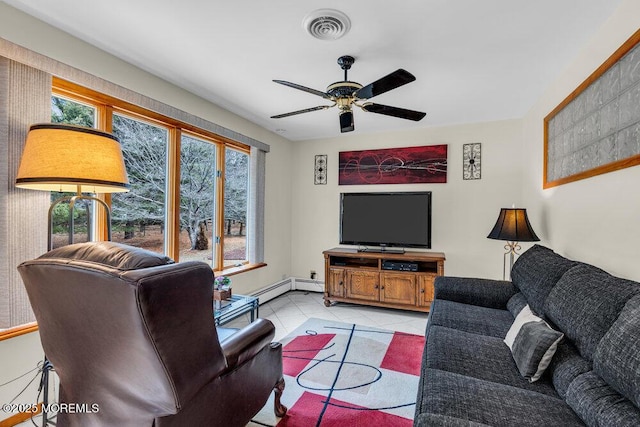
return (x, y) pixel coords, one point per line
(513, 226)
(68, 158)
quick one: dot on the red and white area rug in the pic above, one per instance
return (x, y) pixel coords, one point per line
(341, 374)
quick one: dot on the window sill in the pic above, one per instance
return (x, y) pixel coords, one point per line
(231, 271)
(5, 334)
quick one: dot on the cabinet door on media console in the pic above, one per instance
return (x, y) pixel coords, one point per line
(425, 289)
(398, 288)
(363, 285)
(335, 282)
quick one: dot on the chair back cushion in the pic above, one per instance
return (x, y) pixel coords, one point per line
(116, 255)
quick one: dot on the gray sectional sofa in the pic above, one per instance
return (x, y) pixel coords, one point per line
(469, 377)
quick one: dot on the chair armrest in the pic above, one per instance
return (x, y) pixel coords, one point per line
(481, 292)
(247, 342)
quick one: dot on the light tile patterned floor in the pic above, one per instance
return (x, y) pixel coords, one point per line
(290, 310)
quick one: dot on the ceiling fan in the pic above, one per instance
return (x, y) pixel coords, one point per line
(345, 94)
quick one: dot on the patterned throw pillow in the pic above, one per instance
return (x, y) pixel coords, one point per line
(532, 343)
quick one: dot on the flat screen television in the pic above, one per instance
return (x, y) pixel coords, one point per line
(399, 219)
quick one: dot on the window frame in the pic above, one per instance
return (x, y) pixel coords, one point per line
(106, 106)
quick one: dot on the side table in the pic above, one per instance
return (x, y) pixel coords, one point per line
(227, 310)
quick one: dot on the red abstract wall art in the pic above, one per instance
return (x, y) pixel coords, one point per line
(410, 165)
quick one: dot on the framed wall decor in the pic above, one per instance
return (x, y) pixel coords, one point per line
(596, 129)
(471, 161)
(409, 165)
(320, 170)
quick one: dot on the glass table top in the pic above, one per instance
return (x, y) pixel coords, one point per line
(227, 310)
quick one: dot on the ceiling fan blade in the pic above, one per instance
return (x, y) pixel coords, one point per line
(304, 89)
(394, 111)
(346, 121)
(306, 110)
(391, 81)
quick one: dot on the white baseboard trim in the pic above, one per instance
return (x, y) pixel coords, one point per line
(289, 284)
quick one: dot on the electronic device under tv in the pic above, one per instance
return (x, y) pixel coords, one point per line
(386, 220)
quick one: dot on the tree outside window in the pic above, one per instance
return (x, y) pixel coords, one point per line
(236, 190)
(138, 217)
(198, 176)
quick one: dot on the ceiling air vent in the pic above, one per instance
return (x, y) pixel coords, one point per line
(326, 24)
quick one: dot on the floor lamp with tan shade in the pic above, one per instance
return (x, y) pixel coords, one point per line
(68, 158)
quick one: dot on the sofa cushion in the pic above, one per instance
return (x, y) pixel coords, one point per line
(486, 402)
(516, 304)
(566, 366)
(585, 303)
(532, 343)
(536, 272)
(430, 420)
(617, 359)
(469, 290)
(599, 405)
(478, 356)
(470, 318)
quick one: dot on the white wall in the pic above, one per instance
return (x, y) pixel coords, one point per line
(463, 211)
(596, 220)
(18, 356)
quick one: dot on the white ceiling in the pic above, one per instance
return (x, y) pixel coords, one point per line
(474, 60)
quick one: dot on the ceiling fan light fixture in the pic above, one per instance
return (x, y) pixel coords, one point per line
(346, 121)
(326, 24)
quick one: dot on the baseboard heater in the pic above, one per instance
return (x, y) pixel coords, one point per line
(290, 284)
(270, 292)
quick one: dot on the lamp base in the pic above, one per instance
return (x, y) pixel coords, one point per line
(512, 250)
(71, 200)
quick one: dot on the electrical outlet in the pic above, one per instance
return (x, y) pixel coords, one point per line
(312, 274)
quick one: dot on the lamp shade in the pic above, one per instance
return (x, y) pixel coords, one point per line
(59, 157)
(513, 225)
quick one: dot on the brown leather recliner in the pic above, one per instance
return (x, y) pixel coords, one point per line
(132, 333)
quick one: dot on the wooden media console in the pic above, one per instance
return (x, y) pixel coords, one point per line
(373, 278)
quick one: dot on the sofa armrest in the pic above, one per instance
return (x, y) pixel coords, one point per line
(481, 292)
(247, 342)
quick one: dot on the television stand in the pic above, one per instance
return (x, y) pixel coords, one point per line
(383, 279)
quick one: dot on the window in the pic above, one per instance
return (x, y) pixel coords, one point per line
(198, 179)
(138, 217)
(236, 187)
(72, 112)
(189, 188)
